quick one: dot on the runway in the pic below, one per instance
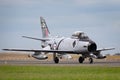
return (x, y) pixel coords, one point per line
(23, 59)
(61, 63)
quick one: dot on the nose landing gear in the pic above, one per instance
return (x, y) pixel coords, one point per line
(91, 60)
(81, 59)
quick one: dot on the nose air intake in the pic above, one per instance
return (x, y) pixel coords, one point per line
(92, 47)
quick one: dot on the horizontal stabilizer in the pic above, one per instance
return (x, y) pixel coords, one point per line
(41, 39)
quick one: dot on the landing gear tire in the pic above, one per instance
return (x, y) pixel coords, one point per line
(91, 60)
(56, 60)
(81, 59)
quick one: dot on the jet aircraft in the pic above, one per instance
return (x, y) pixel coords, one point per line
(78, 43)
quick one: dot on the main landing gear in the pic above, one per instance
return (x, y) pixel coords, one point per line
(55, 58)
(81, 59)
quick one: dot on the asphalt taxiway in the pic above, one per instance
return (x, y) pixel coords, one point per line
(61, 63)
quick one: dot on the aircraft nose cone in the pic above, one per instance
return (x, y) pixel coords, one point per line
(92, 47)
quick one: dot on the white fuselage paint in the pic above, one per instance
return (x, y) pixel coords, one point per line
(69, 44)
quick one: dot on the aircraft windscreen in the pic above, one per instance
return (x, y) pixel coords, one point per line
(80, 35)
(83, 36)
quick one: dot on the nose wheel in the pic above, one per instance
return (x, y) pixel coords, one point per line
(81, 59)
(91, 60)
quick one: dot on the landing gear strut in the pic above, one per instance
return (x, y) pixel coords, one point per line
(55, 58)
(81, 59)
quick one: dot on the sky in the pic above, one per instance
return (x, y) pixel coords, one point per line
(99, 19)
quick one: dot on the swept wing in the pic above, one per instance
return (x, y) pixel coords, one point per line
(35, 50)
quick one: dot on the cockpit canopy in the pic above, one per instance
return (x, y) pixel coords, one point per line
(79, 35)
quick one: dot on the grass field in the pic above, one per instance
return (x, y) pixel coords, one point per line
(31, 72)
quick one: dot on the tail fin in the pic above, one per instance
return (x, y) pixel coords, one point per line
(45, 31)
